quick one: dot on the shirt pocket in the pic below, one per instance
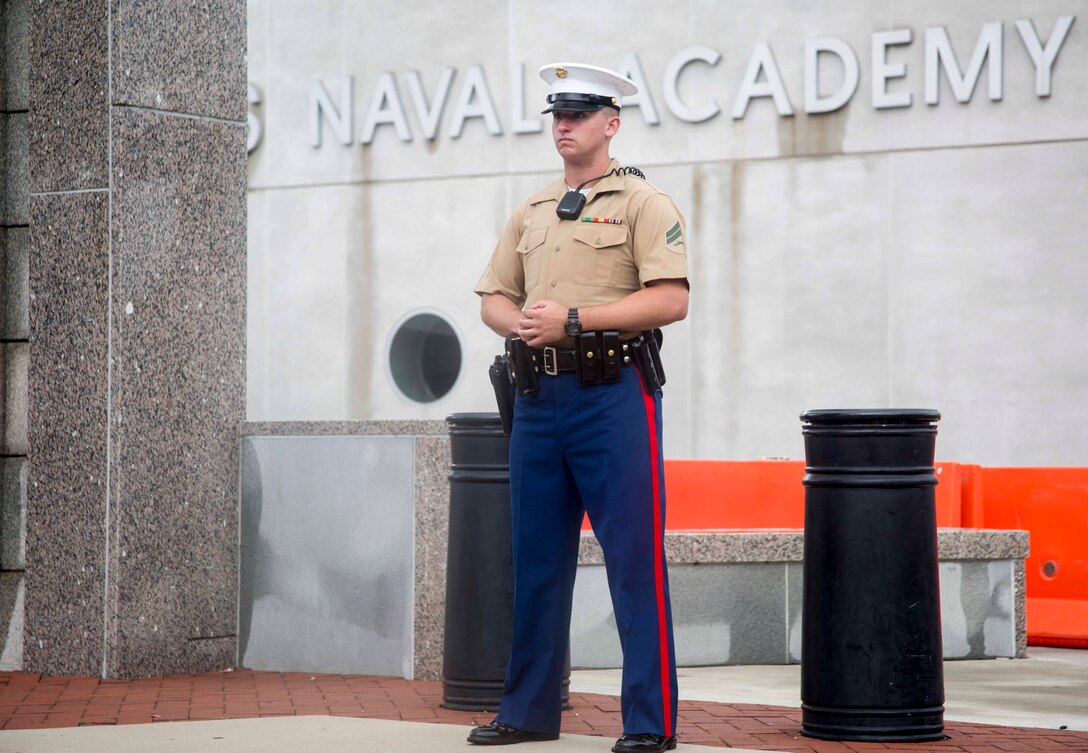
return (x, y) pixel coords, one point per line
(598, 253)
(530, 251)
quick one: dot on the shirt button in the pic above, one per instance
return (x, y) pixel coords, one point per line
(557, 248)
(553, 283)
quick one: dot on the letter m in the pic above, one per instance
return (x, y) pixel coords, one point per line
(939, 54)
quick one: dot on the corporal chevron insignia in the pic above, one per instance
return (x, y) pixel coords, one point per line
(673, 236)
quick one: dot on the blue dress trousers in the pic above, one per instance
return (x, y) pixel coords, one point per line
(593, 449)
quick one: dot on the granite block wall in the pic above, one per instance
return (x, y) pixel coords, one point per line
(12, 560)
(14, 351)
(14, 283)
(12, 517)
(13, 55)
(13, 397)
(134, 154)
(67, 498)
(13, 168)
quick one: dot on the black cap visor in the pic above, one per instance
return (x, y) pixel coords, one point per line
(575, 102)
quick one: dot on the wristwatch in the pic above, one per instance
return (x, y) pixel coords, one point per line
(573, 327)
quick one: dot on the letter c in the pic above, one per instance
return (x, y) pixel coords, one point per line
(672, 75)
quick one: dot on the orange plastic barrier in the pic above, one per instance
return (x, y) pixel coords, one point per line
(707, 494)
(1050, 503)
(703, 495)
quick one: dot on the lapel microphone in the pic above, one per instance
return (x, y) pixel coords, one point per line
(572, 203)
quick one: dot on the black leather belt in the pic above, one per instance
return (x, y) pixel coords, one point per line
(552, 361)
(549, 360)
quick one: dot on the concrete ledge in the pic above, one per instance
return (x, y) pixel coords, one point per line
(787, 545)
(736, 597)
(343, 428)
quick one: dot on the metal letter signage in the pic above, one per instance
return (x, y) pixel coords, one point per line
(1043, 58)
(939, 54)
(672, 76)
(814, 103)
(883, 70)
(761, 79)
(762, 60)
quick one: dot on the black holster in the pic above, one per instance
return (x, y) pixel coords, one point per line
(502, 380)
(648, 359)
(520, 356)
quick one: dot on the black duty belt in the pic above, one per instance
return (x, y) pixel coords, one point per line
(597, 358)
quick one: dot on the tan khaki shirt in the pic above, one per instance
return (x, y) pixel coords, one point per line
(577, 263)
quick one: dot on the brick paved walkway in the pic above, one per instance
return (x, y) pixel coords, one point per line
(30, 701)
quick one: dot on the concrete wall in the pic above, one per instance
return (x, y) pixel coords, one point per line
(343, 547)
(921, 255)
(326, 558)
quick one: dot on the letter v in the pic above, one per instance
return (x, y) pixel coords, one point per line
(429, 116)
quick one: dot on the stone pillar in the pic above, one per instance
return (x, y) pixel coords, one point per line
(137, 226)
(14, 327)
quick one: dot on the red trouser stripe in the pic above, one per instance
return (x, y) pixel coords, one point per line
(659, 570)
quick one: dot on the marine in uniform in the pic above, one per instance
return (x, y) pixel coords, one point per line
(564, 281)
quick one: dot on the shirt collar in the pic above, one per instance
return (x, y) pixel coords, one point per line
(612, 182)
(554, 191)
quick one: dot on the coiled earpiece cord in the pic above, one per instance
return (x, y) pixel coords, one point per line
(571, 205)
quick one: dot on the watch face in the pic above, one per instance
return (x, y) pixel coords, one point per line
(573, 328)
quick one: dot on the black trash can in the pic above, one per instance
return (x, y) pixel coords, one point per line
(871, 656)
(479, 568)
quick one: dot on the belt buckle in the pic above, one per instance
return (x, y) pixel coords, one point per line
(551, 362)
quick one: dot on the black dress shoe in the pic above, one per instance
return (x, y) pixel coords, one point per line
(644, 743)
(498, 733)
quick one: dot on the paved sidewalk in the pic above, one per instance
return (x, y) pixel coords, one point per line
(305, 734)
(1048, 689)
(31, 702)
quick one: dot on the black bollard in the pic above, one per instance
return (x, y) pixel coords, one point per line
(871, 657)
(479, 568)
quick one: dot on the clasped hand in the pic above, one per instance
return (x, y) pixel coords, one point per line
(542, 323)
